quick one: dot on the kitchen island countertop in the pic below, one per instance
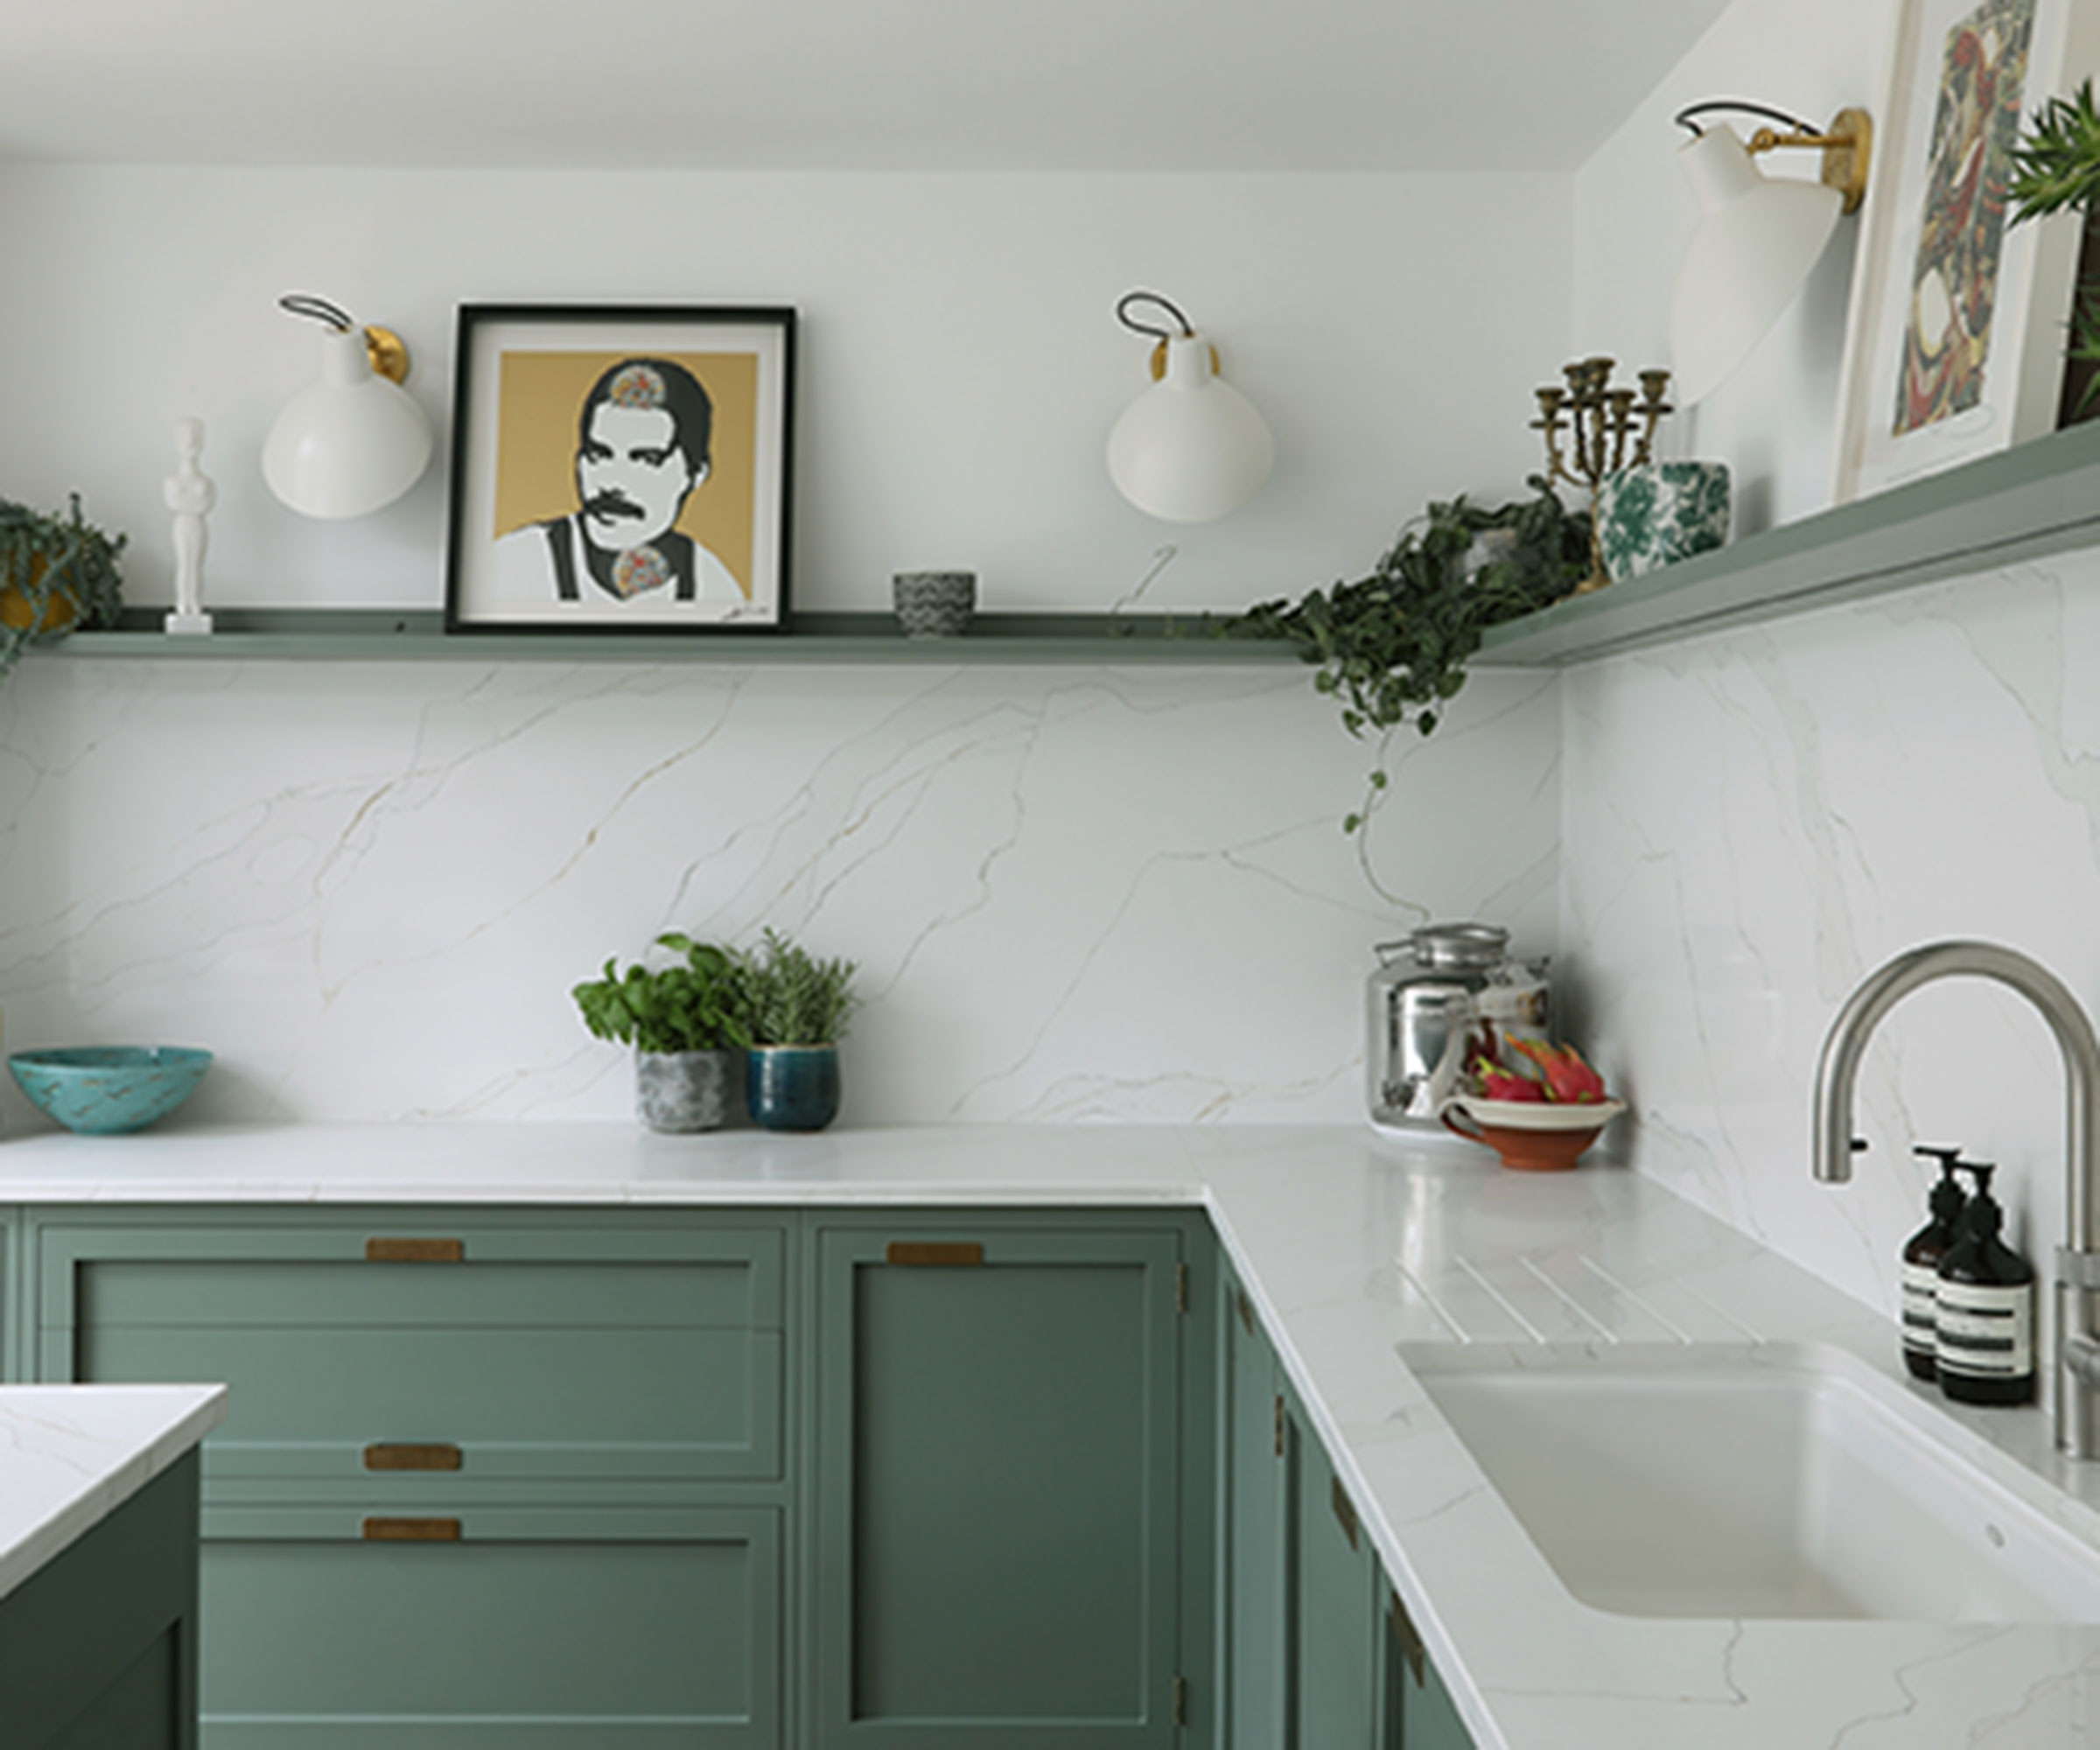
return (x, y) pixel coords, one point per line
(1349, 1245)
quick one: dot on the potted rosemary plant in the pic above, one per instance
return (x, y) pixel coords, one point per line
(794, 1007)
(683, 1022)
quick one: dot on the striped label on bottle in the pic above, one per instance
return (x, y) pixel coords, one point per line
(1921, 1296)
(1986, 1333)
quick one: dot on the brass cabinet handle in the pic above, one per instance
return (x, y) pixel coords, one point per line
(398, 1455)
(1344, 1510)
(415, 1251)
(411, 1530)
(936, 1252)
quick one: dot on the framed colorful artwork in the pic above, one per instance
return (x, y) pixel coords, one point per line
(620, 469)
(1953, 344)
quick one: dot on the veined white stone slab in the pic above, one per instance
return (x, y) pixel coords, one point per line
(1349, 1245)
(70, 1455)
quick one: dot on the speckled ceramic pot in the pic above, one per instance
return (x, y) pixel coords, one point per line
(681, 1090)
(792, 1087)
(110, 1090)
(1655, 515)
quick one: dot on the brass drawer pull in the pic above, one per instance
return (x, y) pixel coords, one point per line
(1344, 1510)
(397, 1455)
(936, 1252)
(411, 1530)
(415, 1251)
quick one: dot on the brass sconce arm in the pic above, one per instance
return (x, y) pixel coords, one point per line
(1847, 144)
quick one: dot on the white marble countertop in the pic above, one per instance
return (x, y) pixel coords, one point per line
(70, 1455)
(1349, 1246)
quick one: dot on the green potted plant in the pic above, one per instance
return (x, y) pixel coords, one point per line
(795, 1009)
(1393, 646)
(683, 1021)
(2055, 169)
(56, 573)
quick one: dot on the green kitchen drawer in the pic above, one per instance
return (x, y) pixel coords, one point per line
(510, 1353)
(552, 1630)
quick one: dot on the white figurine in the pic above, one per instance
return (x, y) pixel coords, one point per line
(190, 493)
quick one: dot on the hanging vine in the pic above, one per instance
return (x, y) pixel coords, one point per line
(56, 573)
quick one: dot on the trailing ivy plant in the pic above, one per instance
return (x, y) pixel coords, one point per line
(2055, 168)
(787, 997)
(55, 573)
(1393, 646)
(690, 1007)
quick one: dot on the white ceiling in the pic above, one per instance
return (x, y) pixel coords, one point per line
(836, 84)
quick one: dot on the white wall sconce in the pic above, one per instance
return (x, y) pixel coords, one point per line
(1758, 239)
(1191, 448)
(353, 440)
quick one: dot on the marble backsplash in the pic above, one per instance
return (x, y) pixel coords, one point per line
(1100, 893)
(1755, 821)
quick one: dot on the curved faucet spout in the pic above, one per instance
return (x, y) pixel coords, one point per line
(2078, 1259)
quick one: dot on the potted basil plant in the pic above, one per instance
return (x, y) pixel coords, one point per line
(682, 1021)
(794, 1008)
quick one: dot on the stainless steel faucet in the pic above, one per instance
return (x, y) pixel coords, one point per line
(2077, 1366)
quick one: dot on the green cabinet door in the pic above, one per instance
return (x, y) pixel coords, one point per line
(1255, 1496)
(98, 1648)
(1420, 1712)
(1334, 1586)
(996, 1476)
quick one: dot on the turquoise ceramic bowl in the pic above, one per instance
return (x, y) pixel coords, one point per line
(105, 1090)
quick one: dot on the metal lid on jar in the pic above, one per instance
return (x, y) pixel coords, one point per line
(1453, 948)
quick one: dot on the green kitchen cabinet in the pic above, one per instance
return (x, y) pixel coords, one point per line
(1420, 1712)
(489, 1477)
(369, 1349)
(98, 1648)
(474, 1628)
(1319, 1654)
(996, 1510)
(1254, 1585)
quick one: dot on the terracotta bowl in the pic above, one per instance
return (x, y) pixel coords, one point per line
(1532, 1137)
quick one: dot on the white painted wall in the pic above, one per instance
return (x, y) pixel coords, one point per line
(1634, 215)
(961, 360)
(1073, 893)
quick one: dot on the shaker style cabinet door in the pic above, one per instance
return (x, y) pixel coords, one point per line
(1250, 1568)
(996, 1489)
(373, 1349)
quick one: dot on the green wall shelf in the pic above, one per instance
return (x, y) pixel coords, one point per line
(2040, 498)
(2023, 504)
(379, 634)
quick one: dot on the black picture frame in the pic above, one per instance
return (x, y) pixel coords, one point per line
(575, 426)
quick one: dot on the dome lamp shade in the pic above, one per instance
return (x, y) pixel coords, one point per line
(1192, 448)
(353, 439)
(1758, 240)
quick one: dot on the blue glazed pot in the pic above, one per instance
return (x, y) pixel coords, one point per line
(792, 1087)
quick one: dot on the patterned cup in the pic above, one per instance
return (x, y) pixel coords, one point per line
(934, 604)
(1660, 512)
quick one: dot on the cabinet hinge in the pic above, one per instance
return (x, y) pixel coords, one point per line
(1411, 1642)
(1180, 1701)
(1182, 1288)
(1279, 1424)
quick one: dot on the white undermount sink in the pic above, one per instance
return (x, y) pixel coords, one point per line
(1751, 1481)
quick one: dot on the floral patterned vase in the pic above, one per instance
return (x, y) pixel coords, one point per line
(1656, 514)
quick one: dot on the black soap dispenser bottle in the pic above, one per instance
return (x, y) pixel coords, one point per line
(1986, 1307)
(1922, 1254)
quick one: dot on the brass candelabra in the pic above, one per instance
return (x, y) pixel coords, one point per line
(1600, 422)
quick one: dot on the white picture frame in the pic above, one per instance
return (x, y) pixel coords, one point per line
(1906, 406)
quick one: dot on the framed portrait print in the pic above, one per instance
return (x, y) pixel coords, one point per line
(620, 469)
(1955, 340)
